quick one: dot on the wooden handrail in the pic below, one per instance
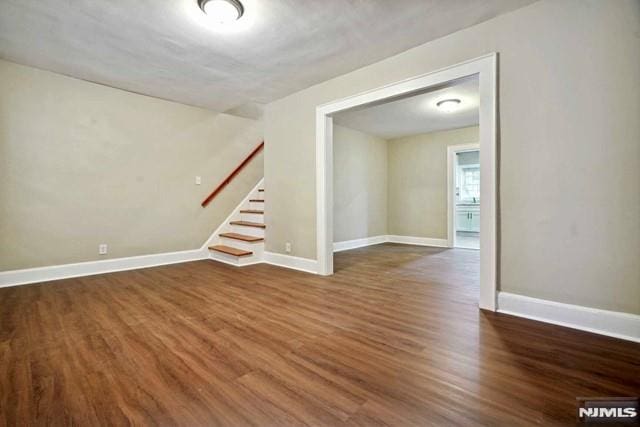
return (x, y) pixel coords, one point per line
(230, 177)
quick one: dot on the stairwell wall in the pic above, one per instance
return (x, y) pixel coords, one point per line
(83, 164)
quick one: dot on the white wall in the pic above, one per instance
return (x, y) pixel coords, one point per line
(360, 179)
(83, 164)
(569, 151)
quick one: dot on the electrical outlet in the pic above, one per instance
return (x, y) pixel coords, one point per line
(198, 180)
(287, 247)
(102, 249)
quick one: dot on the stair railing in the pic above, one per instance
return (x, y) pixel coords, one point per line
(232, 175)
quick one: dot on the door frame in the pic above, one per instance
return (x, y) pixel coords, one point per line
(485, 67)
(452, 150)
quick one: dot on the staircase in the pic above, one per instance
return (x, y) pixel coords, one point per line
(241, 240)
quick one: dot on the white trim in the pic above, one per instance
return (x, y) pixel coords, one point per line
(90, 268)
(418, 241)
(292, 262)
(66, 271)
(616, 324)
(486, 69)
(234, 262)
(451, 179)
(324, 192)
(376, 240)
(214, 237)
(345, 245)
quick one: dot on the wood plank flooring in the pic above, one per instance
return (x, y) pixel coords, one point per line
(393, 338)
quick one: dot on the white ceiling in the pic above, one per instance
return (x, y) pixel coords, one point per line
(418, 113)
(167, 49)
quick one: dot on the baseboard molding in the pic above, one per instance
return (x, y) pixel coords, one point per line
(293, 262)
(625, 326)
(420, 241)
(67, 271)
(376, 240)
(359, 243)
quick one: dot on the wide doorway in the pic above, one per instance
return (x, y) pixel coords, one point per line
(484, 70)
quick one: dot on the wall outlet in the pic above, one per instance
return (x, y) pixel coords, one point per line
(102, 249)
(287, 247)
(198, 180)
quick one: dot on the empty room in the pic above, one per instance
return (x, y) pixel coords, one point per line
(336, 213)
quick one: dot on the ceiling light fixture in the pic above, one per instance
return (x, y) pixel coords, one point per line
(222, 11)
(448, 105)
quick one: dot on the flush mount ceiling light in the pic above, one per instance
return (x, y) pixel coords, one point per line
(448, 105)
(222, 11)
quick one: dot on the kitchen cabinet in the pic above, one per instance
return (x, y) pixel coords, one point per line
(468, 218)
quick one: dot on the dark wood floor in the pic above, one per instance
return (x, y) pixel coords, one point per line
(393, 338)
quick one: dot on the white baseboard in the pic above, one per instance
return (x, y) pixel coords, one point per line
(66, 271)
(293, 262)
(420, 241)
(376, 240)
(358, 243)
(311, 265)
(611, 323)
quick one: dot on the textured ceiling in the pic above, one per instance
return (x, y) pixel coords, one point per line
(167, 48)
(417, 114)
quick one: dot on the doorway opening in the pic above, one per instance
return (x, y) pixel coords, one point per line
(485, 69)
(463, 190)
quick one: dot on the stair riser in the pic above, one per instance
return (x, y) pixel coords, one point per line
(251, 231)
(224, 257)
(250, 260)
(247, 246)
(230, 259)
(252, 217)
(257, 205)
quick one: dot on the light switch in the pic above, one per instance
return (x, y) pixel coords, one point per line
(198, 180)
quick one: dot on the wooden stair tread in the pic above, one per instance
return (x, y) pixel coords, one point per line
(248, 224)
(261, 189)
(256, 200)
(243, 237)
(252, 211)
(230, 251)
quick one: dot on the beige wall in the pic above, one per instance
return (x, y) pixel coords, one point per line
(569, 227)
(83, 164)
(418, 182)
(394, 187)
(360, 180)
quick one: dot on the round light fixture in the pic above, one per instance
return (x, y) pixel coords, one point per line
(222, 11)
(448, 105)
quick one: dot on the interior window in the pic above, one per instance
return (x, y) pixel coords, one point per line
(470, 185)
